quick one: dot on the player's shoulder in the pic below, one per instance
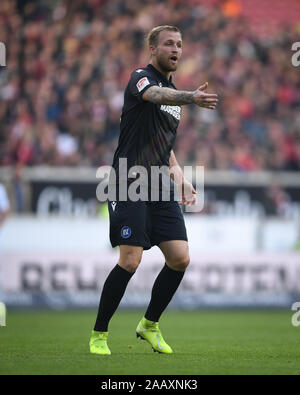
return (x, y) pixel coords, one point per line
(142, 70)
(140, 79)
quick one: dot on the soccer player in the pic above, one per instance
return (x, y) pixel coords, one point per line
(150, 117)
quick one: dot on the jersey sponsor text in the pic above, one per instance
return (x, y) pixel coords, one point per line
(175, 111)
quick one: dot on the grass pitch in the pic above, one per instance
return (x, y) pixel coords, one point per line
(204, 342)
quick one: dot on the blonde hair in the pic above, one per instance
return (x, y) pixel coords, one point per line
(152, 37)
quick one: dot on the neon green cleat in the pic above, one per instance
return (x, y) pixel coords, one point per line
(98, 343)
(149, 331)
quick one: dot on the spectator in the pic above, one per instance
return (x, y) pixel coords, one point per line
(67, 66)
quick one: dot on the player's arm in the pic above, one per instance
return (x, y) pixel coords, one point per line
(168, 96)
(175, 170)
(185, 188)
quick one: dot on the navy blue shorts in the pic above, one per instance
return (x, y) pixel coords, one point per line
(145, 224)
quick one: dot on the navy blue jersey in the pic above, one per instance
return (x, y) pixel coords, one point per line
(147, 130)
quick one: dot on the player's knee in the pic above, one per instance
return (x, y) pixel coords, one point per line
(130, 262)
(180, 263)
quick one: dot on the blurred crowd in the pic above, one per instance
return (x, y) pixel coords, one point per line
(68, 63)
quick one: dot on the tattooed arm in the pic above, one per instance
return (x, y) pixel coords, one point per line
(158, 95)
(169, 96)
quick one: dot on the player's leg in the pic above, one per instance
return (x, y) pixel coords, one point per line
(169, 233)
(116, 283)
(112, 293)
(176, 254)
(128, 229)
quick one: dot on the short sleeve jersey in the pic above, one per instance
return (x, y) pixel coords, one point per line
(147, 130)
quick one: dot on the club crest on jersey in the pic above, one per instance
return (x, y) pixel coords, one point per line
(175, 111)
(125, 232)
(142, 83)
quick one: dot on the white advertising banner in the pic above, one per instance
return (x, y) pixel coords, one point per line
(209, 280)
(61, 263)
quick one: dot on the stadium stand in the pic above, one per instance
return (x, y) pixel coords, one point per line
(68, 63)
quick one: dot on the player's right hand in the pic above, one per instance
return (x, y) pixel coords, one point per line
(205, 100)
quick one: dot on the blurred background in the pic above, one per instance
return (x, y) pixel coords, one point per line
(61, 94)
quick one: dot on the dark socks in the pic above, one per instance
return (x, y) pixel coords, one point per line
(112, 293)
(164, 288)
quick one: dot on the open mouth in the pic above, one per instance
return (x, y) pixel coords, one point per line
(173, 59)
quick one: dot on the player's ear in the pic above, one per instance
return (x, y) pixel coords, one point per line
(152, 49)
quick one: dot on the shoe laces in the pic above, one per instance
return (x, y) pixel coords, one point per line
(100, 342)
(99, 338)
(154, 328)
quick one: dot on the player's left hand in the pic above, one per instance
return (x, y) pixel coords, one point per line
(187, 193)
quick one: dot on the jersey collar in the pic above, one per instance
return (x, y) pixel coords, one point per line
(170, 81)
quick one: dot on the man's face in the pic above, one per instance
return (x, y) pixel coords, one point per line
(168, 50)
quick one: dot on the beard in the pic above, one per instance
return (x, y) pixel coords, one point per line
(166, 64)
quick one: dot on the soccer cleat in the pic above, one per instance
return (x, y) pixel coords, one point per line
(149, 331)
(98, 343)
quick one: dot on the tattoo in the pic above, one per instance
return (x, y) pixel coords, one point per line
(169, 96)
